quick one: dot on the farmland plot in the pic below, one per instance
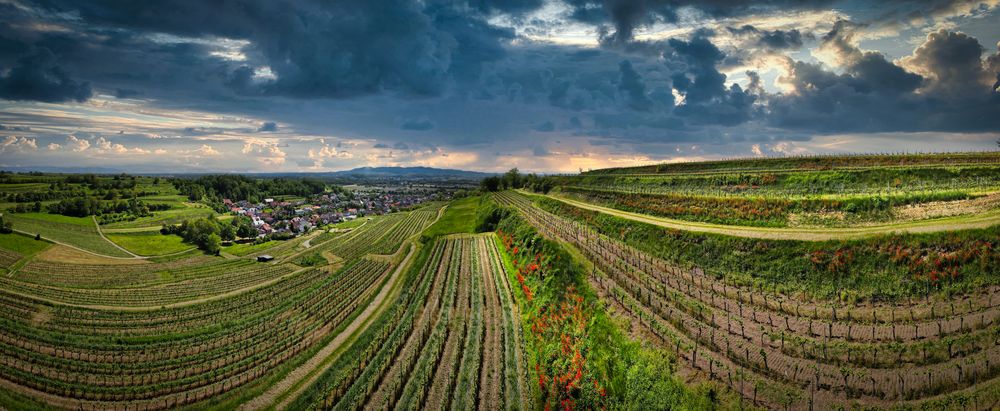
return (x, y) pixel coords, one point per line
(449, 347)
(808, 355)
(193, 330)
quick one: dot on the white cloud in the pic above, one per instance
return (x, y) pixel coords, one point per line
(12, 143)
(77, 144)
(756, 150)
(268, 153)
(54, 146)
(105, 146)
(327, 152)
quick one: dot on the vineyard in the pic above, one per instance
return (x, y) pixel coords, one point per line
(195, 329)
(821, 192)
(516, 300)
(795, 350)
(450, 341)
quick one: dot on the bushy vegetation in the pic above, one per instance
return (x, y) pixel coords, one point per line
(582, 357)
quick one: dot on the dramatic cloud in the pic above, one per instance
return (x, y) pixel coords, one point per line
(265, 85)
(37, 77)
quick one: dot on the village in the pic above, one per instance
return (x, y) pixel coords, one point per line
(292, 217)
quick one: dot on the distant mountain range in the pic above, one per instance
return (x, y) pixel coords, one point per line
(370, 172)
(410, 172)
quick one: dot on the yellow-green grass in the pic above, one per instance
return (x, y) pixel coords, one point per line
(249, 248)
(172, 216)
(22, 244)
(459, 217)
(149, 242)
(80, 232)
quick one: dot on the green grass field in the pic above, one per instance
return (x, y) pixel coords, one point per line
(248, 248)
(459, 217)
(74, 231)
(22, 244)
(149, 243)
(172, 216)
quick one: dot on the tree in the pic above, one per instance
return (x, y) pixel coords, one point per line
(213, 244)
(6, 227)
(512, 179)
(244, 227)
(490, 184)
(227, 232)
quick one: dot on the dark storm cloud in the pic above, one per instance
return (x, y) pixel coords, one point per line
(126, 93)
(327, 49)
(948, 92)
(632, 84)
(771, 39)
(268, 126)
(628, 15)
(417, 124)
(37, 76)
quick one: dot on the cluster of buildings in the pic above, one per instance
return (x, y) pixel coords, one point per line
(290, 218)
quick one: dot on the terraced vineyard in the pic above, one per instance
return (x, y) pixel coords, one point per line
(818, 191)
(785, 351)
(194, 330)
(451, 340)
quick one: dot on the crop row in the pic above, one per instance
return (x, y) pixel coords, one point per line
(171, 369)
(435, 354)
(71, 275)
(218, 280)
(685, 315)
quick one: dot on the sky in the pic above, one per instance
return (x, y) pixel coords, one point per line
(553, 86)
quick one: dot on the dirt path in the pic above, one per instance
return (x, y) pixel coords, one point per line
(101, 233)
(800, 234)
(311, 370)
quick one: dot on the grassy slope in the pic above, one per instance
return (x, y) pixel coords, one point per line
(149, 243)
(22, 244)
(459, 217)
(248, 248)
(79, 232)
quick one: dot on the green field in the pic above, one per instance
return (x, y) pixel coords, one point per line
(149, 243)
(172, 216)
(248, 248)
(73, 231)
(459, 217)
(22, 244)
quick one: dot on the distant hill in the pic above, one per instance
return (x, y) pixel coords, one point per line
(410, 172)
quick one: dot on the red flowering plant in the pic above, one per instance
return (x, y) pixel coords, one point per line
(558, 318)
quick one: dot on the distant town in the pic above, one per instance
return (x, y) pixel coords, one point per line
(279, 218)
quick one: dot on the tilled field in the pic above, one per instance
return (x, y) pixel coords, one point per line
(783, 353)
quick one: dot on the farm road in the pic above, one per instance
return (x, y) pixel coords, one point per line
(801, 234)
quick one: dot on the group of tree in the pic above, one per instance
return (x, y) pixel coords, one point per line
(87, 206)
(208, 233)
(6, 227)
(513, 179)
(238, 187)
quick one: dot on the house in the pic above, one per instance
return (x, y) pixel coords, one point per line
(263, 258)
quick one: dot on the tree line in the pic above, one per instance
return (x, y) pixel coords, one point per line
(513, 179)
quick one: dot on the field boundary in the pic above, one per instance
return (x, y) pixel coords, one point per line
(801, 234)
